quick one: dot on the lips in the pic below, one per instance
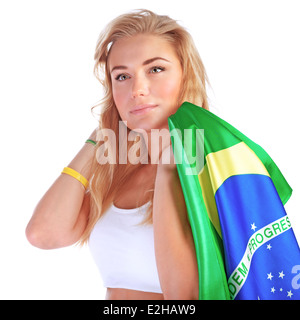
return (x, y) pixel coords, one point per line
(144, 108)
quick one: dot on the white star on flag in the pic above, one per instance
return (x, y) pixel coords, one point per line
(273, 290)
(253, 226)
(270, 275)
(281, 274)
(289, 293)
(269, 247)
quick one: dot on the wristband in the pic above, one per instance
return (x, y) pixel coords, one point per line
(91, 142)
(73, 173)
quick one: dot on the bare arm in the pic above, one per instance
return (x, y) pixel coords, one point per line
(61, 215)
(174, 245)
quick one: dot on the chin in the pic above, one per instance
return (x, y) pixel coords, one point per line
(148, 125)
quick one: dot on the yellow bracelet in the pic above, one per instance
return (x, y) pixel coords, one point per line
(76, 175)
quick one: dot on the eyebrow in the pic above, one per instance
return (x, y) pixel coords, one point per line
(146, 62)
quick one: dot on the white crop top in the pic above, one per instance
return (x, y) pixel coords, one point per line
(124, 250)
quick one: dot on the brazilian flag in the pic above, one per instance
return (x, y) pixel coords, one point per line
(235, 196)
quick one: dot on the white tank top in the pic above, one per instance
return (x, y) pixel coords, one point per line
(124, 250)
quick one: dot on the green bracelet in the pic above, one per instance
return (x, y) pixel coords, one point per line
(91, 141)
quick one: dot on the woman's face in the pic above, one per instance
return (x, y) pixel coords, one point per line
(146, 79)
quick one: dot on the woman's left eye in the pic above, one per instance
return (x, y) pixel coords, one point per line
(156, 69)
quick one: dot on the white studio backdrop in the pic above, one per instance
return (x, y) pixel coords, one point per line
(251, 53)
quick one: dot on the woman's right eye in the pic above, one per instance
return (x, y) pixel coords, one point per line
(122, 77)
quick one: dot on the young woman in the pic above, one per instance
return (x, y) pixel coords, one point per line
(133, 215)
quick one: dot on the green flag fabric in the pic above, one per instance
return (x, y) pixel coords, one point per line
(230, 161)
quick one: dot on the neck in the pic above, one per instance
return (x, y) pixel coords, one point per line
(156, 141)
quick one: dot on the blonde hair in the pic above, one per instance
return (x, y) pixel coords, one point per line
(108, 179)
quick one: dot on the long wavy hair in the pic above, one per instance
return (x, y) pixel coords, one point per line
(107, 179)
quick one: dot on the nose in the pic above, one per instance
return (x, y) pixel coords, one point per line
(140, 87)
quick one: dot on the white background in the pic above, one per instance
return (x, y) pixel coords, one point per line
(251, 52)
